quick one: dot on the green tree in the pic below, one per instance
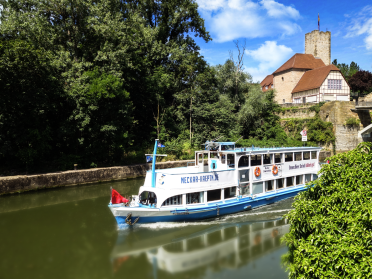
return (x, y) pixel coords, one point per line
(257, 117)
(233, 81)
(331, 222)
(347, 70)
(31, 103)
(101, 116)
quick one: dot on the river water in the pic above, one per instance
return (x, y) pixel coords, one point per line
(71, 233)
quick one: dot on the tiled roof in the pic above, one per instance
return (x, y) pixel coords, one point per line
(301, 61)
(314, 78)
(267, 80)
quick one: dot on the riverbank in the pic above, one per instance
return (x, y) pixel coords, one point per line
(22, 183)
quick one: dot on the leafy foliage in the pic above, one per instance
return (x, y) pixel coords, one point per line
(257, 117)
(31, 102)
(361, 82)
(351, 121)
(331, 223)
(347, 70)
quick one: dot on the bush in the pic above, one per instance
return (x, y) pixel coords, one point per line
(351, 121)
(331, 223)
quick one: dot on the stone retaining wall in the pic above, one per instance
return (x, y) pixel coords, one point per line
(21, 183)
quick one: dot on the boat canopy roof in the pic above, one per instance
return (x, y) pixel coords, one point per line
(211, 146)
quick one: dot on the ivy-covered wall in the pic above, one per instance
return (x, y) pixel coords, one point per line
(333, 125)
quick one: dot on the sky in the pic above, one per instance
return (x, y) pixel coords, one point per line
(275, 30)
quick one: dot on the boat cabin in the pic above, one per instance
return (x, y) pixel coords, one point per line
(223, 172)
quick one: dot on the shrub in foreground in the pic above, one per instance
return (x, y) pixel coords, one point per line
(331, 223)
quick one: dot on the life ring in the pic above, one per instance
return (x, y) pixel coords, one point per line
(275, 169)
(257, 172)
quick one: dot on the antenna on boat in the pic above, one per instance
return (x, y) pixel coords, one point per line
(216, 138)
(238, 139)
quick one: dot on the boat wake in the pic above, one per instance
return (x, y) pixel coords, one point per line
(253, 215)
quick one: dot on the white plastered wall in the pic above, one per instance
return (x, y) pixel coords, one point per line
(323, 93)
(342, 94)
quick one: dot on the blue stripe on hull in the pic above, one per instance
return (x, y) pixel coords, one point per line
(224, 209)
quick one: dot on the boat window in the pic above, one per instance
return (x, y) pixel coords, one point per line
(175, 200)
(256, 160)
(278, 158)
(231, 160)
(223, 158)
(227, 147)
(205, 159)
(229, 192)
(257, 188)
(307, 155)
(200, 157)
(280, 183)
(214, 195)
(244, 188)
(267, 158)
(307, 177)
(288, 157)
(315, 176)
(299, 179)
(269, 185)
(197, 197)
(298, 156)
(313, 155)
(214, 155)
(244, 175)
(243, 162)
(148, 198)
(289, 181)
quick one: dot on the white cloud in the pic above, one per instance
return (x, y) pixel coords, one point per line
(361, 24)
(232, 19)
(270, 56)
(277, 10)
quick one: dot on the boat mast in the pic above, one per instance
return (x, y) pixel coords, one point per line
(153, 163)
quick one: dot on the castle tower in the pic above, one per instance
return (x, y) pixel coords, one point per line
(319, 44)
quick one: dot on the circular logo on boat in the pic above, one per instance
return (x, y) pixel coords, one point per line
(161, 179)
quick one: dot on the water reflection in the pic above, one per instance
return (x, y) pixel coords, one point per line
(198, 249)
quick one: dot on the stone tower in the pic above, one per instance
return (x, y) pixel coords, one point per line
(319, 44)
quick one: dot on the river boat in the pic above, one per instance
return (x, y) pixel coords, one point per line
(223, 180)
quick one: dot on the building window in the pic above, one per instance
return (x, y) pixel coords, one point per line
(267, 87)
(297, 100)
(334, 84)
(282, 78)
(272, 86)
(283, 101)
